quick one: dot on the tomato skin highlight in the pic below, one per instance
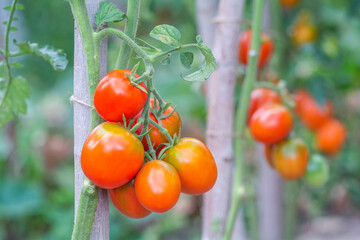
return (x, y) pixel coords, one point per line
(290, 158)
(125, 200)
(317, 173)
(265, 52)
(195, 165)
(111, 155)
(115, 96)
(260, 97)
(330, 137)
(271, 124)
(157, 186)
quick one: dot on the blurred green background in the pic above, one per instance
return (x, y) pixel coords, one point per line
(36, 161)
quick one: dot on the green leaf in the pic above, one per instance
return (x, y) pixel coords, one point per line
(13, 99)
(108, 12)
(13, 29)
(165, 61)
(186, 59)
(151, 51)
(16, 65)
(166, 34)
(57, 58)
(207, 68)
(17, 7)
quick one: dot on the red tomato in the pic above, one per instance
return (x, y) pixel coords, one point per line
(268, 149)
(115, 96)
(191, 157)
(172, 124)
(157, 186)
(330, 137)
(288, 3)
(260, 97)
(125, 200)
(271, 124)
(311, 114)
(111, 155)
(290, 158)
(266, 48)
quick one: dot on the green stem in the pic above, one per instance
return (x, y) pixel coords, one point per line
(133, 10)
(279, 38)
(159, 55)
(290, 218)
(241, 116)
(164, 131)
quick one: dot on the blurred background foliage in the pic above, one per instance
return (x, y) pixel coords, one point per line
(36, 162)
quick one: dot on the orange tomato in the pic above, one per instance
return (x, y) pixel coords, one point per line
(268, 154)
(288, 3)
(290, 158)
(265, 52)
(191, 157)
(157, 186)
(330, 137)
(111, 155)
(260, 97)
(271, 124)
(125, 200)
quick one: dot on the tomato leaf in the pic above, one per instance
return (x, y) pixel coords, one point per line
(57, 58)
(207, 68)
(165, 61)
(17, 7)
(166, 34)
(108, 12)
(186, 59)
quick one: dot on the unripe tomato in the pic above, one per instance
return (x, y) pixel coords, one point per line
(195, 165)
(288, 3)
(157, 186)
(111, 155)
(115, 96)
(271, 123)
(260, 97)
(311, 114)
(265, 52)
(317, 173)
(125, 200)
(268, 149)
(291, 158)
(330, 137)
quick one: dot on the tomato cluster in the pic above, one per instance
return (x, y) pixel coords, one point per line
(113, 155)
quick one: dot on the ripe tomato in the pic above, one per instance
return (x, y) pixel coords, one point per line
(317, 173)
(311, 114)
(271, 123)
(115, 96)
(191, 157)
(268, 150)
(288, 3)
(330, 137)
(125, 200)
(291, 158)
(172, 124)
(266, 48)
(157, 186)
(111, 155)
(260, 97)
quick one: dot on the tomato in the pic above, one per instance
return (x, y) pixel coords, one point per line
(311, 114)
(260, 97)
(317, 173)
(271, 123)
(288, 3)
(303, 33)
(111, 155)
(115, 96)
(266, 48)
(330, 137)
(268, 149)
(125, 200)
(291, 158)
(157, 186)
(172, 124)
(195, 165)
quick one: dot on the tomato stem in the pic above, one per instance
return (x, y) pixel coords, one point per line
(240, 119)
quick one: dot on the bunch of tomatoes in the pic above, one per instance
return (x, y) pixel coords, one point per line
(137, 153)
(270, 122)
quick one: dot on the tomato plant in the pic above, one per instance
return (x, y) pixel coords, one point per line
(266, 48)
(125, 200)
(157, 186)
(290, 158)
(114, 93)
(111, 155)
(317, 173)
(191, 157)
(271, 124)
(330, 137)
